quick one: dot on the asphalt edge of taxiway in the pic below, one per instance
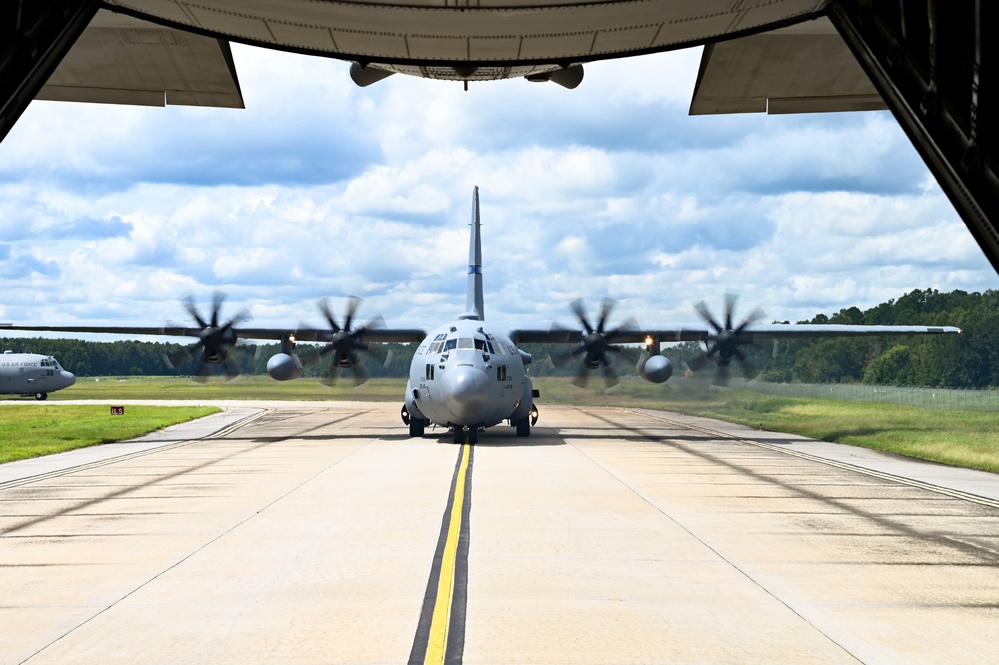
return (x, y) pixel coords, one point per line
(29, 470)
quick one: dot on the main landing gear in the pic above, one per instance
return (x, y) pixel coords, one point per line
(41, 397)
(525, 424)
(416, 425)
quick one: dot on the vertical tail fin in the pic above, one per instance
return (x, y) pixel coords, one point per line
(473, 298)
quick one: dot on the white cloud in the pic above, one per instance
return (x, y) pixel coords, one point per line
(320, 188)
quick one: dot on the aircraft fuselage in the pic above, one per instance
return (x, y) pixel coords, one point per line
(467, 374)
(32, 374)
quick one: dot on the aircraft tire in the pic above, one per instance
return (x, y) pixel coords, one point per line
(41, 397)
(473, 434)
(459, 434)
(416, 427)
(524, 427)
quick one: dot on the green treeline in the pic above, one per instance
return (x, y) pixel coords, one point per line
(132, 358)
(970, 360)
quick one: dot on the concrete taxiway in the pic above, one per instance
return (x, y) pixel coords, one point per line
(321, 533)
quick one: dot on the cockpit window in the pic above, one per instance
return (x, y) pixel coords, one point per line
(451, 344)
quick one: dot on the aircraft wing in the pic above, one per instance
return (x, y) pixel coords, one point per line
(301, 334)
(803, 68)
(400, 335)
(702, 332)
(123, 60)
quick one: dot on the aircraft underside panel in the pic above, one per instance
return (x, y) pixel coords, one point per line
(122, 60)
(804, 68)
(422, 33)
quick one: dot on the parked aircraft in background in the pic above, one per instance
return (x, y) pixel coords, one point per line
(32, 374)
(467, 375)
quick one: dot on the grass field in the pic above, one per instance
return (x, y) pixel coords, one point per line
(43, 430)
(960, 438)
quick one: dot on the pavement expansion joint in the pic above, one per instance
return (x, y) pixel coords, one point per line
(911, 482)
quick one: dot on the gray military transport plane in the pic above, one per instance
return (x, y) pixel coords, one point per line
(467, 375)
(31, 374)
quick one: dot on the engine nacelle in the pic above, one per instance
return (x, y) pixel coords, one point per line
(284, 367)
(656, 369)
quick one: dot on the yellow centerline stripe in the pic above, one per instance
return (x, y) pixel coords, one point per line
(437, 645)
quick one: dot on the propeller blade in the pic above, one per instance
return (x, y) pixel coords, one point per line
(360, 374)
(217, 299)
(595, 342)
(193, 311)
(242, 316)
(378, 351)
(605, 310)
(748, 368)
(231, 368)
(724, 345)
(610, 376)
(332, 374)
(181, 357)
(730, 300)
(203, 373)
(577, 307)
(373, 324)
(324, 307)
(352, 304)
(753, 317)
(563, 359)
(627, 326)
(705, 313)
(215, 340)
(698, 363)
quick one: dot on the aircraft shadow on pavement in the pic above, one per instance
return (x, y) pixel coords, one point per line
(506, 437)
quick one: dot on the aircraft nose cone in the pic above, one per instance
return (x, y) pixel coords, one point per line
(465, 390)
(68, 378)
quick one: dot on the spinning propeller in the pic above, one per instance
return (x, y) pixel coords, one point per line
(215, 340)
(596, 343)
(724, 345)
(345, 343)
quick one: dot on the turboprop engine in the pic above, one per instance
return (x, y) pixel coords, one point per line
(656, 369)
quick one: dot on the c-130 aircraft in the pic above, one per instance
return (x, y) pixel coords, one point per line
(466, 375)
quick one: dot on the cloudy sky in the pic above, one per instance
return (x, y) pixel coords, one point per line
(112, 214)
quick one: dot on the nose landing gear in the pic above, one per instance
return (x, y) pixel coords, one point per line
(459, 434)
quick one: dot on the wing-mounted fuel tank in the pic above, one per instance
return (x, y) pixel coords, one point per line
(656, 369)
(285, 366)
